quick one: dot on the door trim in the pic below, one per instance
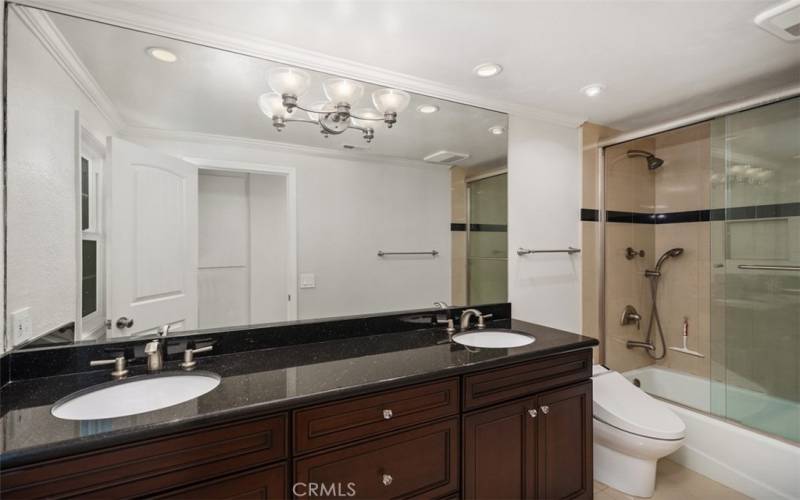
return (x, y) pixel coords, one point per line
(291, 213)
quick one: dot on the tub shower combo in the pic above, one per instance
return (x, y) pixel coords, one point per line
(719, 203)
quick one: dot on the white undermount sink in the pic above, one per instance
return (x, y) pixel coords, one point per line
(493, 339)
(135, 395)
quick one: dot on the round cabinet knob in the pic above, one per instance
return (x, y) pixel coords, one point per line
(532, 412)
(545, 409)
(386, 479)
(387, 414)
(124, 322)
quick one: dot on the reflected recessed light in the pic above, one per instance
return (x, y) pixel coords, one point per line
(427, 108)
(487, 70)
(593, 90)
(497, 130)
(162, 54)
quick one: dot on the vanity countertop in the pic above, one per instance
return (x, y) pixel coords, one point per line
(257, 382)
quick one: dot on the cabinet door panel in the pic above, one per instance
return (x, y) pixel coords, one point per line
(500, 452)
(565, 442)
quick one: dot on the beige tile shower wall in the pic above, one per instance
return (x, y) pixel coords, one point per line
(683, 184)
(458, 272)
(591, 134)
(630, 187)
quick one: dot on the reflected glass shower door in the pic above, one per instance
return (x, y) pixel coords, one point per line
(487, 240)
(755, 251)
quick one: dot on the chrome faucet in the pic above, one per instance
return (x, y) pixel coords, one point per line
(466, 315)
(155, 351)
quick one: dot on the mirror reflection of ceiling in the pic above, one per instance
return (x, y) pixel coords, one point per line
(211, 91)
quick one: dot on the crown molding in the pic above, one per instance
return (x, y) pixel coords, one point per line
(145, 133)
(139, 17)
(42, 27)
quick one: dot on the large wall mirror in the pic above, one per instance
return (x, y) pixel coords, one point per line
(155, 182)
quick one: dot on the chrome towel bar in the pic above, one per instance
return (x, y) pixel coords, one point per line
(769, 268)
(569, 250)
(434, 253)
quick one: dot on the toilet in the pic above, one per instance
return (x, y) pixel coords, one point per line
(631, 432)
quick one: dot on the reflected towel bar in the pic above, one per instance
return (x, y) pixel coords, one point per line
(769, 268)
(434, 253)
(569, 250)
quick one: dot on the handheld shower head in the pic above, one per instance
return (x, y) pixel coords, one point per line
(653, 162)
(672, 252)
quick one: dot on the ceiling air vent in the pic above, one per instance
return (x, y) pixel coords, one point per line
(782, 20)
(446, 157)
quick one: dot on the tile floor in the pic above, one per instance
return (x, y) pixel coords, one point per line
(675, 482)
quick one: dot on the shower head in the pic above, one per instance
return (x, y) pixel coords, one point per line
(653, 162)
(672, 252)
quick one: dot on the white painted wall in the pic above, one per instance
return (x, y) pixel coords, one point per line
(41, 181)
(347, 210)
(543, 213)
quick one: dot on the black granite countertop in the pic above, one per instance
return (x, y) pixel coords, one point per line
(256, 382)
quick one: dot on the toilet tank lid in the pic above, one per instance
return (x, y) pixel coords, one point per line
(619, 403)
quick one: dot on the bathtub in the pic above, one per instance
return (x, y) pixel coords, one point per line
(751, 462)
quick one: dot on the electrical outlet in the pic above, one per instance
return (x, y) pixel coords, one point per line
(21, 326)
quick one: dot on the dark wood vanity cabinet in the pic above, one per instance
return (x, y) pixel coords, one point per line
(537, 447)
(516, 431)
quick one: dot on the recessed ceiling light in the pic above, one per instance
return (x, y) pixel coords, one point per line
(593, 90)
(427, 108)
(487, 70)
(497, 130)
(162, 54)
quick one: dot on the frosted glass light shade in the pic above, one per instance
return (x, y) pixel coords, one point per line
(390, 100)
(291, 81)
(366, 113)
(271, 104)
(342, 90)
(322, 106)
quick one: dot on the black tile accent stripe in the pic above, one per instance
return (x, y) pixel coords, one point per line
(733, 213)
(497, 228)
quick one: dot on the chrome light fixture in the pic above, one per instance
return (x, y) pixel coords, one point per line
(333, 116)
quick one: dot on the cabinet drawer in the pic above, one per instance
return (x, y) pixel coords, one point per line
(154, 465)
(422, 462)
(503, 384)
(343, 422)
(266, 483)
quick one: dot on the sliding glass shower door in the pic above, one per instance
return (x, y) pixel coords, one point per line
(755, 257)
(487, 240)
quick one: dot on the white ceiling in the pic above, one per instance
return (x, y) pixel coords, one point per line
(659, 60)
(211, 91)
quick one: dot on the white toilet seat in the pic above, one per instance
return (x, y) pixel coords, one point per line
(620, 404)
(631, 432)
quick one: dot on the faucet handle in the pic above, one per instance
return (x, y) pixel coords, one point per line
(120, 365)
(188, 357)
(481, 318)
(151, 347)
(449, 322)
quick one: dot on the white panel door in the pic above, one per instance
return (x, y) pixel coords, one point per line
(152, 240)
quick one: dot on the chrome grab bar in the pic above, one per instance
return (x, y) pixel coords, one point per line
(769, 268)
(569, 250)
(381, 253)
